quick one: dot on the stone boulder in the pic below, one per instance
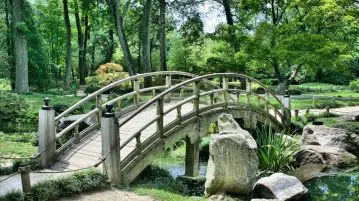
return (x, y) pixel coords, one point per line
(309, 171)
(233, 161)
(331, 137)
(280, 186)
(331, 156)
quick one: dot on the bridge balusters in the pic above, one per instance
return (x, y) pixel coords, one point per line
(225, 90)
(99, 106)
(119, 105)
(138, 143)
(179, 113)
(196, 100)
(211, 97)
(160, 117)
(168, 85)
(136, 89)
(77, 133)
(248, 90)
(267, 101)
(47, 135)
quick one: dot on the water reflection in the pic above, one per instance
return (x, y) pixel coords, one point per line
(178, 170)
(334, 188)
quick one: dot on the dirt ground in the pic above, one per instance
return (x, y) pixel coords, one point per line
(110, 195)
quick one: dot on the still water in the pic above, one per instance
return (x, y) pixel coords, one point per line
(343, 187)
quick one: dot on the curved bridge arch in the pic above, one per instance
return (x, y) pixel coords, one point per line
(183, 109)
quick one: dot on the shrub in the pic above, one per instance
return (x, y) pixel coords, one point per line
(61, 107)
(354, 85)
(105, 75)
(275, 151)
(12, 111)
(79, 182)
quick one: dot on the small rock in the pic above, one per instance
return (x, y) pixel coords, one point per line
(280, 186)
(217, 197)
(309, 171)
(332, 156)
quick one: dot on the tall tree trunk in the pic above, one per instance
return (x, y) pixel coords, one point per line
(21, 56)
(162, 30)
(146, 40)
(115, 8)
(87, 35)
(232, 32)
(68, 45)
(109, 48)
(10, 43)
(80, 43)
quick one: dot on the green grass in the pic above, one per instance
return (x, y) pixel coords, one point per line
(172, 156)
(317, 87)
(17, 149)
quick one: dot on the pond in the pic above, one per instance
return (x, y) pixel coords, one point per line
(342, 187)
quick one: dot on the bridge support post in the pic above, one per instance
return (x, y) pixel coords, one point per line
(47, 135)
(111, 146)
(286, 111)
(168, 85)
(192, 158)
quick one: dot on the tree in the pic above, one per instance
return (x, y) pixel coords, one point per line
(118, 15)
(146, 39)
(10, 43)
(68, 45)
(20, 44)
(80, 42)
(162, 33)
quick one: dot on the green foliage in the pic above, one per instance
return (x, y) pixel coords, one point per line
(12, 111)
(275, 151)
(5, 84)
(354, 85)
(105, 75)
(79, 182)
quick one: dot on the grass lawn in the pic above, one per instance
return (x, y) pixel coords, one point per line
(314, 87)
(17, 149)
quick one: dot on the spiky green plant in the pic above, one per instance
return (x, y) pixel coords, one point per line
(275, 151)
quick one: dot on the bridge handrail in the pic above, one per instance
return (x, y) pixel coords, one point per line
(160, 96)
(112, 85)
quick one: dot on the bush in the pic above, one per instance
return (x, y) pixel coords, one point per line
(354, 85)
(275, 151)
(79, 182)
(105, 75)
(12, 111)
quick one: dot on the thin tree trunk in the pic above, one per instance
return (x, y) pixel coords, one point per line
(146, 40)
(87, 35)
(162, 30)
(110, 48)
(68, 46)
(115, 8)
(10, 43)
(80, 43)
(21, 56)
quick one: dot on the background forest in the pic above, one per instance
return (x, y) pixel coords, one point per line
(46, 44)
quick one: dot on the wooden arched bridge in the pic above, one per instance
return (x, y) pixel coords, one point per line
(126, 129)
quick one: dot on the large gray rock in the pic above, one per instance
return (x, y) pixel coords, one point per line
(280, 186)
(233, 162)
(331, 156)
(331, 137)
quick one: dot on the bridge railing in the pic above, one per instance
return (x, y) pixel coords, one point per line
(73, 133)
(204, 98)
